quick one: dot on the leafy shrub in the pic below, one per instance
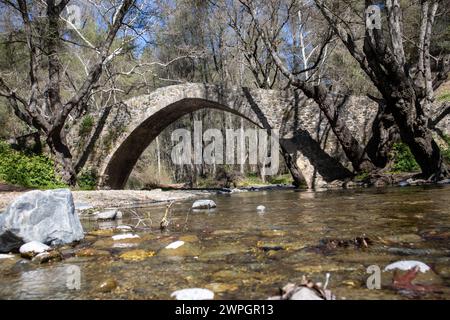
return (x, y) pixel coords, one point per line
(88, 179)
(402, 159)
(362, 176)
(86, 125)
(444, 97)
(280, 179)
(32, 171)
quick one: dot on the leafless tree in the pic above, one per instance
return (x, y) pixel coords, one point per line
(327, 100)
(405, 83)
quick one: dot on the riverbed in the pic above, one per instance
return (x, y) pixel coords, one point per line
(242, 253)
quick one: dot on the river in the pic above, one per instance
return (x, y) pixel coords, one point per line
(240, 253)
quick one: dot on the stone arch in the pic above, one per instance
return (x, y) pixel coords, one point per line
(146, 116)
(123, 160)
(151, 114)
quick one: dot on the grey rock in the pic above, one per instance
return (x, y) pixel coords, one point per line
(404, 184)
(446, 181)
(9, 241)
(204, 204)
(107, 215)
(417, 182)
(45, 257)
(45, 216)
(81, 206)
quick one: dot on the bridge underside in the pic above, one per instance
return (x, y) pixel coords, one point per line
(304, 135)
(124, 159)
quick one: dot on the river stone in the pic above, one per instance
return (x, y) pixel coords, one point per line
(125, 236)
(137, 255)
(404, 184)
(44, 216)
(45, 257)
(193, 294)
(222, 251)
(30, 249)
(91, 252)
(124, 228)
(204, 204)
(175, 245)
(186, 250)
(305, 294)
(107, 285)
(107, 215)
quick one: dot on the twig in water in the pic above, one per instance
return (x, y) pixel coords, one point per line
(141, 220)
(165, 221)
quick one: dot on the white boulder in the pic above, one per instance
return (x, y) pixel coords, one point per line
(44, 216)
(204, 204)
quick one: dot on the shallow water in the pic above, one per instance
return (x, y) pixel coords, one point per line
(242, 254)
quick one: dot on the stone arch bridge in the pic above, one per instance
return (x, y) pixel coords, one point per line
(305, 136)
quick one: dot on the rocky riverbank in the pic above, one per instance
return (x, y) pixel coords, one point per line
(115, 198)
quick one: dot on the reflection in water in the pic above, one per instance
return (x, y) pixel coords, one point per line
(242, 254)
(54, 282)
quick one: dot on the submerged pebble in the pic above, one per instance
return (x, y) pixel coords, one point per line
(107, 285)
(137, 255)
(175, 245)
(125, 236)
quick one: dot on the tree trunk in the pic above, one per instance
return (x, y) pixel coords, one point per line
(291, 164)
(63, 158)
(84, 156)
(384, 134)
(415, 133)
(351, 147)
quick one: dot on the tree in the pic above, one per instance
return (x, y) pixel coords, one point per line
(327, 100)
(43, 105)
(405, 82)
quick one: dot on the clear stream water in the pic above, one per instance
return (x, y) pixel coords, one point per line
(242, 254)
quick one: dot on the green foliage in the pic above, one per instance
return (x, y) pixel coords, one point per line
(443, 97)
(88, 179)
(446, 139)
(362, 176)
(251, 179)
(281, 179)
(86, 125)
(446, 151)
(402, 158)
(32, 171)
(446, 155)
